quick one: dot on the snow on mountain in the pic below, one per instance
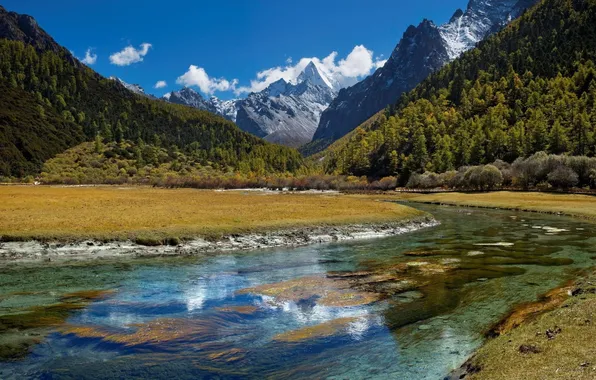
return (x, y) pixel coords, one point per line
(189, 97)
(131, 87)
(312, 74)
(284, 113)
(422, 50)
(226, 108)
(466, 29)
(287, 113)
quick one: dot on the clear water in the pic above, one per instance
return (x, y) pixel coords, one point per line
(193, 317)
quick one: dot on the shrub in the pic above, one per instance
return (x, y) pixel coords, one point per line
(414, 181)
(563, 177)
(490, 177)
(148, 241)
(472, 178)
(385, 183)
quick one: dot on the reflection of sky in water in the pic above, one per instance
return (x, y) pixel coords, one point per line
(427, 345)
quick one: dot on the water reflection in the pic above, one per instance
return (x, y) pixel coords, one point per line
(412, 306)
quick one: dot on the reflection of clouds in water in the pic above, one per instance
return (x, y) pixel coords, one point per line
(123, 320)
(357, 328)
(195, 297)
(308, 315)
(214, 287)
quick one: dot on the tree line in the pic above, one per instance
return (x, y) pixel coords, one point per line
(529, 88)
(53, 103)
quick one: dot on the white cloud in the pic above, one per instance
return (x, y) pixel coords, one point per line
(342, 73)
(160, 84)
(130, 55)
(381, 63)
(197, 76)
(90, 58)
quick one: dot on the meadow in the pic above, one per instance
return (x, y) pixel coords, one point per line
(156, 215)
(582, 206)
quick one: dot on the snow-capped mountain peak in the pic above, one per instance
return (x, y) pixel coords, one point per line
(286, 112)
(422, 50)
(186, 96)
(482, 17)
(312, 74)
(277, 88)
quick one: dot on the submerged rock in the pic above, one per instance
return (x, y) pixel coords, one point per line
(323, 330)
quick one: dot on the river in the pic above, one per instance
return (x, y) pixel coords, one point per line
(410, 307)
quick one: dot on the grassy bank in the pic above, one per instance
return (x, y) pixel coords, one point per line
(583, 206)
(549, 339)
(558, 344)
(161, 215)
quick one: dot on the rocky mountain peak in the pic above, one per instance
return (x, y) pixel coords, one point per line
(276, 88)
(24, 28)
(311, 74)
(458, 13)
(137, 89)
(422, 50)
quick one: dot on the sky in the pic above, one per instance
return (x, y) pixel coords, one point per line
(230, 48)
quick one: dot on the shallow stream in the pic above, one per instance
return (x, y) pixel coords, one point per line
(410, 307)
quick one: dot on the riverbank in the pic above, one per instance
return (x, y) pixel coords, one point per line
(581, 206)
(46, 223)
(557, 342)
(548, 339)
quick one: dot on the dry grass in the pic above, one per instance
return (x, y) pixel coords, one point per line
(111, 213)
(567, 354)
(583, 206)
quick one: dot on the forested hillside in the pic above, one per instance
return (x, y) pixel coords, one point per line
(530, 88)
(51, 102)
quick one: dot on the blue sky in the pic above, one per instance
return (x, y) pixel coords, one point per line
(229, 42)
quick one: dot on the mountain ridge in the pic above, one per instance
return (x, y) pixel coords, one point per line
(422, 50)
(527, 91)
(285, 113)
(55, 102)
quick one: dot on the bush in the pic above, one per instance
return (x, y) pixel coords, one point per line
(414, 181)
(472, 178)
(490, 177)
(385, 183)
(563, 177)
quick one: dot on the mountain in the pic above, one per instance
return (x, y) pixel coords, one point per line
(52, 102)
(137, 89)
(283, 113)
(421, 51)
(527, 89)
(287, 113)
(189, 97)
(24, 28)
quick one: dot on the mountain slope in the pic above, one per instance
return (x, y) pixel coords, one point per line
(283, 113)
(287, 113)
(530, 88)
(422, 50)
(74, 103)
(137, 89)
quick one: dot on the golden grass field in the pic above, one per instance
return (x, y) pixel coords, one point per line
(111, 213)
(583, 206)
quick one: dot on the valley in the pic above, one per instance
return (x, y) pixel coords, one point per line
(297, 204)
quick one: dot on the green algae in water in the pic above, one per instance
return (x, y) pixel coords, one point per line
(192, 318)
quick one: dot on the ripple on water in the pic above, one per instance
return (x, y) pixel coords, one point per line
(410, 307)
